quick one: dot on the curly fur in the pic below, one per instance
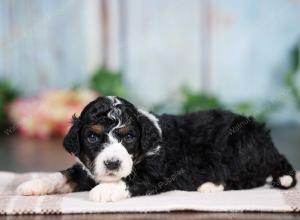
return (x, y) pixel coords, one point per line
(179, 152)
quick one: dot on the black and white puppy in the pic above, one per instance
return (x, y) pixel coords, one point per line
(123, 151)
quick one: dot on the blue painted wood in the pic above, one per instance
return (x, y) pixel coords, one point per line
(235, 49)
(43, 43)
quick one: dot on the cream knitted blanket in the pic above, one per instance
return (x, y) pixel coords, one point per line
(263, 199)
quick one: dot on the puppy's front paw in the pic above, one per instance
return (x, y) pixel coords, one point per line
(109, 192)
(35, 187)
(210, 187)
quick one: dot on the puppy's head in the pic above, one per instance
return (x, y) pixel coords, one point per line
(110, 136)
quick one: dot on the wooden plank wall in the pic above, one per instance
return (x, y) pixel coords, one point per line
(48, 44)
(236, 49)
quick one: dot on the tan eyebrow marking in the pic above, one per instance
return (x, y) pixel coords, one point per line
(98, 129)
(123, 130)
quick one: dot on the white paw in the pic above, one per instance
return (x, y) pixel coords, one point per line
(286, 181)
(109, 192)
(209, 187)
(35, 187)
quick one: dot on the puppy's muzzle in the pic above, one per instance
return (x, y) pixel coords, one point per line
(112, 164)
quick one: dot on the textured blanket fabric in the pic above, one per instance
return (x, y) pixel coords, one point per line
(263, 199)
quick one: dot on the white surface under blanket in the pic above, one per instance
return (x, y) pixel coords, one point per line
(263, 199)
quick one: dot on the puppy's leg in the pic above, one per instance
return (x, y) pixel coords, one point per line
(49, 184)
(284, 175)
(122, 189)
(70, 180)
(109, 192)
(210, 187)
(129, 187)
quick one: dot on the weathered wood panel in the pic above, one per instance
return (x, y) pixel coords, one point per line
(236, 49)
(46, 44)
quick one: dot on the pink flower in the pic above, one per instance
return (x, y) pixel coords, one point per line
(48, 114)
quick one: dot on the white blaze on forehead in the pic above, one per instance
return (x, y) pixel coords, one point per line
(114, 112)
(115, 101)
(152, 118)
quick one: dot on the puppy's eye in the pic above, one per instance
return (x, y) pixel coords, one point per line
(129, 137)
(93, 138)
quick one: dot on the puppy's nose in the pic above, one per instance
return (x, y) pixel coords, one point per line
(112, 164)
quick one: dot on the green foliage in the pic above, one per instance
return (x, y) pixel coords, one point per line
(7, 94)
(250, 108)
(244, 107)
(108, 82)
(290, 77)
(194, 101)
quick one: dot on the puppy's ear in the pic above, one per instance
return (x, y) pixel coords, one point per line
(150, 132)
(71, 141)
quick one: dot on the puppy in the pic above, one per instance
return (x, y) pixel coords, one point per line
(123, 151)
